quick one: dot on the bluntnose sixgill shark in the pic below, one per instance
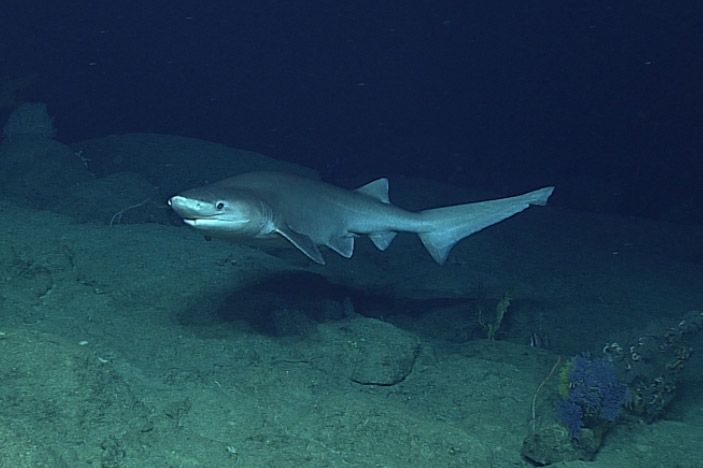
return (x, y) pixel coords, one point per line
(309, 213)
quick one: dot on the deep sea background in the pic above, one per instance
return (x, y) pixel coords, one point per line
(127, 340)
(602, 99)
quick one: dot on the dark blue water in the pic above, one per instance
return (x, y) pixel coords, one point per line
(601, 99)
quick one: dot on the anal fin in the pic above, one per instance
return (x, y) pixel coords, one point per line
(382, 239)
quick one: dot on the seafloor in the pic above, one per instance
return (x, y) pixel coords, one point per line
(127, 340)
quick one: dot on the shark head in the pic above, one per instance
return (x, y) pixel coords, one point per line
(231, 216)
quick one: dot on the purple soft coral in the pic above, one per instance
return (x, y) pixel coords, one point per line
(593, 393)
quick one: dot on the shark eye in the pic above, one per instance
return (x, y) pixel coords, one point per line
(220, 205)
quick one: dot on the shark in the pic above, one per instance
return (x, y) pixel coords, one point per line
(265, 206)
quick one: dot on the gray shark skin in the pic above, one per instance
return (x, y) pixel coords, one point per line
(308, 213)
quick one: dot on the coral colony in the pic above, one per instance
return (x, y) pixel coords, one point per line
(652, 364)
(639, 375)
(592, 396)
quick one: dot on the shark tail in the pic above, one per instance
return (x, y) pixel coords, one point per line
(447, 226)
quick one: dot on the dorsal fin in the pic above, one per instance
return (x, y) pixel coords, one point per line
(377, 189)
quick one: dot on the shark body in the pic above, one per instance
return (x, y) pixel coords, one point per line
(309, 213)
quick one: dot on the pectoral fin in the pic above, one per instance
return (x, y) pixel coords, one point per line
(302, 243)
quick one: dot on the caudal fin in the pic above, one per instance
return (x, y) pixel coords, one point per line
(449, 225)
